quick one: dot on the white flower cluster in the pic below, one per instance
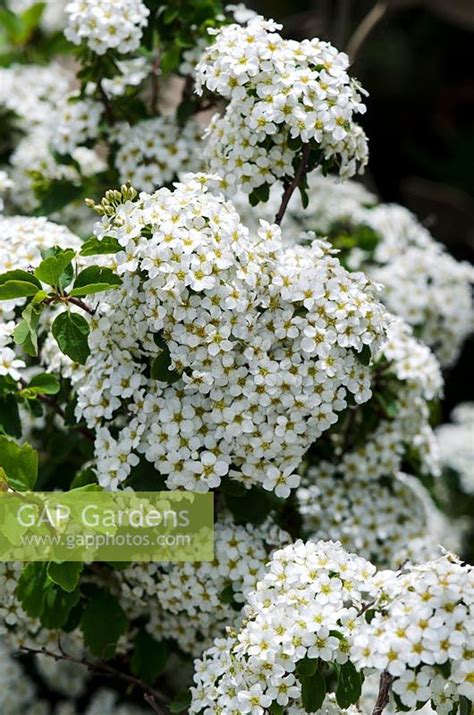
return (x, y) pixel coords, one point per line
(106, 25)
(386, 520)
(260, 340)
(456, 445)
(423, 630)
(312, 602)
(156, 151)
(358, 497)
(17, 693)
(194, 603)
(77, 120)
(132, 74)
(423, 284)
(279, 90)
(32, 92)
(306, 605)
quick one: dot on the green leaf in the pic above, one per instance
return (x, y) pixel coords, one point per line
(57, 606)
(276, 709)
(51, 268)
(306, 667)
(71, 331)
(102, 624)
(65, 574)
(95, 247)
(25, 332)
(94, 280)
(227, 594)
(252, 507)
(17, 289)
(313, 692)
(170, 59)
(349, 685)
(20, 463)
(149, 657)
(465, 706)
(31, 17)
(259, 194)
(42, 384)
(31, 589)
(10, 422)
(19, 275)
(181, 702)
(160, 368)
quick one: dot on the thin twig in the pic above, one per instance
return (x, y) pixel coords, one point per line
(300, 172)
(385, 685)
(100, 666)
(365, 28)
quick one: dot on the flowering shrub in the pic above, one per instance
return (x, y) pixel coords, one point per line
(210, 330)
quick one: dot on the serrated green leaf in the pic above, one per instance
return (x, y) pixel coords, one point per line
(51, 269)
(71, 331)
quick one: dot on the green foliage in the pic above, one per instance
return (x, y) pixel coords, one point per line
(18, 284)
(307, 667)
(42, 598)
(25, 333)
(42, 384)
(149, 657)
(349, 685)
(53, 269)
(160, 368)
(103, 622)
(20, 464)
(313, 692)
(10, 422)
(95, 247)
(65, 574)
(250, 506)
(94, 279)
(71, 331)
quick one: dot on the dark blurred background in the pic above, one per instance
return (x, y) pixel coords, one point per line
(416, 60)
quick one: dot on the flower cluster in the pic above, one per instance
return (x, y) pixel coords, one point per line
(107, 25)
(77, 120)
(423, 633)
(306, 606)
(221, 353)
(312, 604)
(194, 603)
(456, 445)
(387, 520)
(422, 283)
(154, 152)
(280, 92)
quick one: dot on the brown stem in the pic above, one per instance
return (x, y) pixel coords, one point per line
(80, 304)
(288, 193)
(365, 28)
(150, 694)
(385, 685)
(56, 407)
(109, 111)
